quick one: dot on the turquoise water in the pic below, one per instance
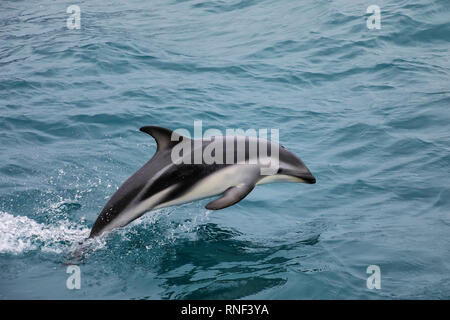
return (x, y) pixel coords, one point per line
(366, 110)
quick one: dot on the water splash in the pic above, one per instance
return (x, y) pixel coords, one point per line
(20, 234)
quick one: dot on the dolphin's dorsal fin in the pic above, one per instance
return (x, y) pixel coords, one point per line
(165, 138)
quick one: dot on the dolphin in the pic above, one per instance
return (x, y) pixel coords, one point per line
(163, 182)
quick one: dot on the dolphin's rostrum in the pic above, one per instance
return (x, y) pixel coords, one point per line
(163, 182)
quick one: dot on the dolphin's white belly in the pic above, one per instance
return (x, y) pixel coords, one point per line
(214, 184)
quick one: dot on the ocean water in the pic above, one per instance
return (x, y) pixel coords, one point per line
(367, 110)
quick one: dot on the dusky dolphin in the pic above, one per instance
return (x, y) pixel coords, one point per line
(163, 182)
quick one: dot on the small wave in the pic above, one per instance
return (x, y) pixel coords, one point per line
(20, 234)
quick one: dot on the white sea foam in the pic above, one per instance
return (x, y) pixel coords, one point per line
(19, 234)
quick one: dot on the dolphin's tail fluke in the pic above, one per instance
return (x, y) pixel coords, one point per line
(78, 255)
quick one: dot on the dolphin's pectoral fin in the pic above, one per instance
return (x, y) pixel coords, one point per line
(231, 196)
